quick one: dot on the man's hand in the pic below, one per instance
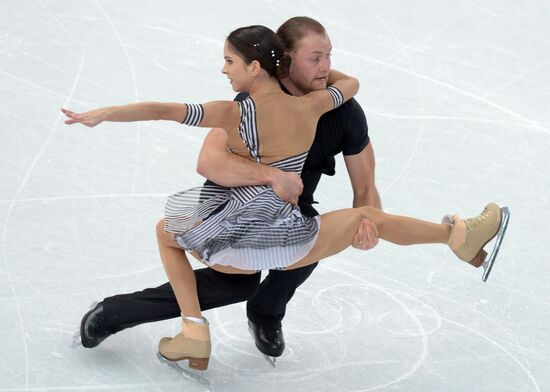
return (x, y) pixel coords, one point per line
(367, 235)
(287, 185)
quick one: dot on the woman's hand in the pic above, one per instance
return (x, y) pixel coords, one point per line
(367, 235)
(89, 119)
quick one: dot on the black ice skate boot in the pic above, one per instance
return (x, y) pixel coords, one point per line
(92, 328)
(270, 342)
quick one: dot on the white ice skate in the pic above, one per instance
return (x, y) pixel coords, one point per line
(469, 236)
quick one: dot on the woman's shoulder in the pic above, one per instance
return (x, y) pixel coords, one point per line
(273, 98)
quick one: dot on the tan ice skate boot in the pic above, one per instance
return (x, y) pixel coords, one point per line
(468, 237)
(193, 343)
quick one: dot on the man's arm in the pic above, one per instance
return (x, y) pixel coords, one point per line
(361, 173)
(224, 168)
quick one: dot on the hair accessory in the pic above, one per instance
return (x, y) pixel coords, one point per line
(277, 63)
(256, 44)
(272, 53)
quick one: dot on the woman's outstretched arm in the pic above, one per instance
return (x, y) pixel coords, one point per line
(222, 114)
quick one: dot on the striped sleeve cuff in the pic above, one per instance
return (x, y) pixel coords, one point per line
(337, 96)
(195, 113)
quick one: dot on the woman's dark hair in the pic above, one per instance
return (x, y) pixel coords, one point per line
(296, 28)
(262, 44)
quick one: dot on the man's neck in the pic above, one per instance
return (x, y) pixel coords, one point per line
(291, 87)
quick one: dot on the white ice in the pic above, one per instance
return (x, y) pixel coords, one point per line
(457, 98)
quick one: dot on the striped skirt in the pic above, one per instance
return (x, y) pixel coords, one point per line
(245, 227)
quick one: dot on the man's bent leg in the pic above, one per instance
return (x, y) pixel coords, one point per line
(123, 311)
(267, 308)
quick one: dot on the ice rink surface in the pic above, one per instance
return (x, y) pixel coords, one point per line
(457, 98)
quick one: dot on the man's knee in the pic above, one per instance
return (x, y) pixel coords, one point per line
(249, 285)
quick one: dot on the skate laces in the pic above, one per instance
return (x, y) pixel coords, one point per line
(476, 221)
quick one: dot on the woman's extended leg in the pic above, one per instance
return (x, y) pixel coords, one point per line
(466, 238)
(339, 227)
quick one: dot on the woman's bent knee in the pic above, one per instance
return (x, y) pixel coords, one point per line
(160, 229)
(163, 237)
(369, 212)
(374, 215)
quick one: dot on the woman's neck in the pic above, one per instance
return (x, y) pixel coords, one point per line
(264, 85)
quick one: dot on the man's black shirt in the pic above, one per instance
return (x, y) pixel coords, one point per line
(342, 130)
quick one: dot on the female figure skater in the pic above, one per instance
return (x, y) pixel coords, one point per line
(245, 229)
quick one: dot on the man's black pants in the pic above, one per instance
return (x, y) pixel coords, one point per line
(266, 304)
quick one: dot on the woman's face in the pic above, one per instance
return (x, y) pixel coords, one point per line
(236, 69)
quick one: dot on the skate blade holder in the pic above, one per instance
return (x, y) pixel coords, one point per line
(490, 261)
(191, 375)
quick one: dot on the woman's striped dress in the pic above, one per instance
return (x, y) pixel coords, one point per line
(249, 227)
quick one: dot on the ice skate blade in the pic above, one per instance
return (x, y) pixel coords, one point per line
(186, 373)
(271, 360)
(76, 340)
(489, 262)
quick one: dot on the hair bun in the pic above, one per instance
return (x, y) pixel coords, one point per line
(283, 66)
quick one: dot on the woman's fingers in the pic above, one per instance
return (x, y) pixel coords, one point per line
(67, 113)
(81, 118)
(359, 239)
(72, 117)
(367, 235)
(371, 234)
(374, 229)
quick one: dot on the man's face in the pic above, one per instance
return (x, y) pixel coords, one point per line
(310, 62)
